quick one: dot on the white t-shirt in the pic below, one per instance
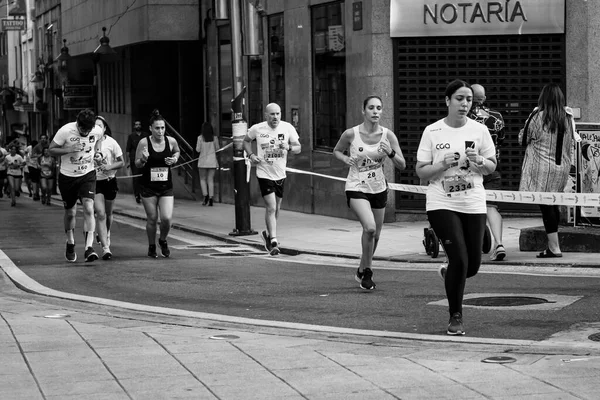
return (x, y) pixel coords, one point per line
(460, 188)
(81, 162)
(110, 150)
(267, 144)
(14, 165)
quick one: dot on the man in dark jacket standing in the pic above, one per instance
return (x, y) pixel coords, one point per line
(132, 142)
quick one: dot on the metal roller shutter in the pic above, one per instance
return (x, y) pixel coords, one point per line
(513, 70)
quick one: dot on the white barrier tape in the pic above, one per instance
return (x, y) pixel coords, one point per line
(501, 196)
(179, 165)
(299, 171)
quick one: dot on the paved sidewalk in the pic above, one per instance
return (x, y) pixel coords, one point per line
(317, 234)
(55, 349)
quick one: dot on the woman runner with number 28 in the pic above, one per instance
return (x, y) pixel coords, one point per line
(368, 146)
(454, 154)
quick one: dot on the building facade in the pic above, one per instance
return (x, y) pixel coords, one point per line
(321, 58)
(318, 59)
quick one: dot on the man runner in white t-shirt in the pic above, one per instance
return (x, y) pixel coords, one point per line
(76, 144)
(274, 140)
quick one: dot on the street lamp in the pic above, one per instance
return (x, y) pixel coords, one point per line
(64, 53)
(104, 47)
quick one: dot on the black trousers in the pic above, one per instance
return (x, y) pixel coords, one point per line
(550, 217)
(461, 236)
(137, 181)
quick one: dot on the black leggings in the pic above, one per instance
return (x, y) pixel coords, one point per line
(550, 216)
(461, 236)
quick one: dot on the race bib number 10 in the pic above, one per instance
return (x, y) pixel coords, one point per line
(159, 174)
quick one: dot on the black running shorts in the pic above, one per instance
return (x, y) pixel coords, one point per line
(107, 187)
(34, 174)
(377, 200)
(73, 188)
(268, 186)
(149, 192)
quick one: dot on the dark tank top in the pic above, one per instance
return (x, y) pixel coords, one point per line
(157, 174)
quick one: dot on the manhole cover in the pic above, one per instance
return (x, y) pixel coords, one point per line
(499, 360)
(224, 337)
(209, 246)
(226, 255)
(504, 301)
(57, 316)
(595, 337)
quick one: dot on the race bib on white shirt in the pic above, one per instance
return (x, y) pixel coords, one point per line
(81, 162)
(460, 188)
(271, 144)
(109, 152)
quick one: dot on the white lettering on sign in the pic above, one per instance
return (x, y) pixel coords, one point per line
(450, 13)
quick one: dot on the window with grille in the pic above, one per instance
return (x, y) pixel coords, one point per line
(112, 88)
(513, 70)
(225, 79)
(276, 63)
(329, 74)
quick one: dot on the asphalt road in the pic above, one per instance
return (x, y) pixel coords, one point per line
(206, 275)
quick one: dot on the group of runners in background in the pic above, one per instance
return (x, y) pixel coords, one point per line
(456, 156)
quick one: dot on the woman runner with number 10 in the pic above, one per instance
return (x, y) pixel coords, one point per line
(155, 155)
(454, 154)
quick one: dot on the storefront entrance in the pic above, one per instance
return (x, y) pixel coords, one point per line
(513, 69)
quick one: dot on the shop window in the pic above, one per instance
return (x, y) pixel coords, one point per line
(112, 88)
(255, 108)
(225, 79)
(329, 74)
(276, 62)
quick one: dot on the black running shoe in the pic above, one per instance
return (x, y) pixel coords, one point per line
(70, 254)
(106, 254)
(90, 254)
(442, 270)
(275, 250)
(152, 251)
(455, 325)
(164, 248)
(267, 240)
(358, 276)
(366, 281)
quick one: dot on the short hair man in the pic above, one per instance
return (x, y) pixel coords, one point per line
(76, 143)
(495, 123)
(274, 140)
(132, 142)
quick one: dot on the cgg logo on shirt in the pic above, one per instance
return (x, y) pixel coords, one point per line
(441, 146)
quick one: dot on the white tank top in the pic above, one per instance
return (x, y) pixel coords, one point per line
(367, 175)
